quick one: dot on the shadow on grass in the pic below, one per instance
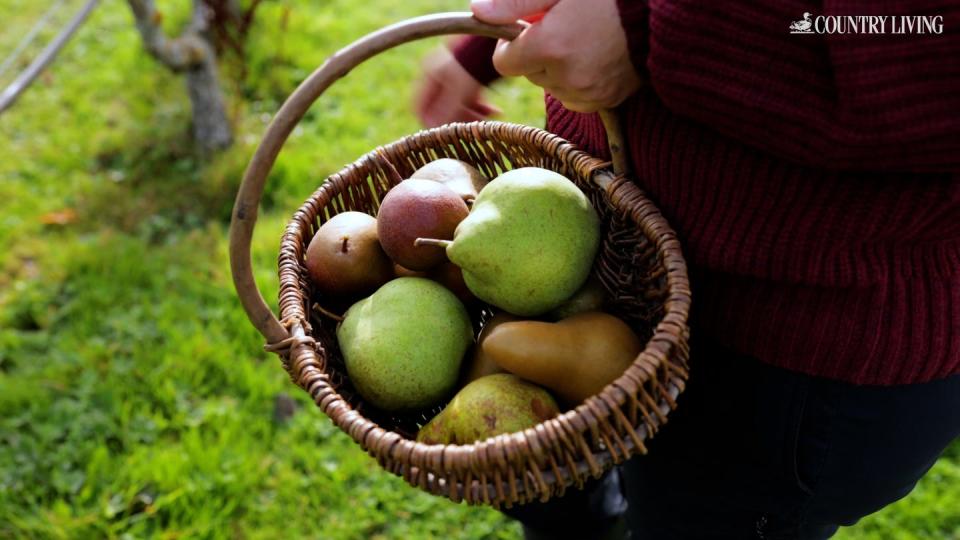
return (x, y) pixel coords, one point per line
(161, 186)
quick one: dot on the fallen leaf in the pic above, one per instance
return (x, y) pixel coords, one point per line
(59, 217)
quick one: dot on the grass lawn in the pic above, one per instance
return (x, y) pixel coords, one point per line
(135, 399)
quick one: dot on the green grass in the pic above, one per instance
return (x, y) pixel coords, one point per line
(135, 399)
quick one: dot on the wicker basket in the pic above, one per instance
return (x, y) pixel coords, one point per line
(639, 264)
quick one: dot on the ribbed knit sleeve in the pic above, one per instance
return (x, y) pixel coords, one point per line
(840, 101)
(635, 22)
(813, 180)
(475, 54)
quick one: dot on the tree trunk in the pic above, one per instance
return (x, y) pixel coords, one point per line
(192, 54)
(211, 129)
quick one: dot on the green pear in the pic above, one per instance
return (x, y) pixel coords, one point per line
(436, 431)
(528, 243)
(590, 297)
(489, 406)
(403, 345)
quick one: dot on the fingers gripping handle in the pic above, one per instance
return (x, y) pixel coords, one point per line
(251, 188)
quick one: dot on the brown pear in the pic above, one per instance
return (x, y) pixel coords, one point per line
(479, 364)
(400, 271)
(464, 179)
(414, 209)
(447, 274)
(574, 358)
(450, 276)
(344, 259)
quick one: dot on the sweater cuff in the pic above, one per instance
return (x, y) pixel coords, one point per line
(475, 54)
(635, 20)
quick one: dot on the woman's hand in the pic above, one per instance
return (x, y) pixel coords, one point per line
(447, 93)
(577, 52)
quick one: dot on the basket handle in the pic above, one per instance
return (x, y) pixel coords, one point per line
(251, 188)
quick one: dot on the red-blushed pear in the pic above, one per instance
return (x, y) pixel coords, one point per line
(464, 179)
(344, 259)
(418, 208)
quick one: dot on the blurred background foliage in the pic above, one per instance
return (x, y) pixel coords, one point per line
(135, 399)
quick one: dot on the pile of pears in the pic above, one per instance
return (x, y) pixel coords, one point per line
(445, 243)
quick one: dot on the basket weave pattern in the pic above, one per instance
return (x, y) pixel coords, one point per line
(639, 265)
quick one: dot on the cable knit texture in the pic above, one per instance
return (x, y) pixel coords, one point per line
(813, 179)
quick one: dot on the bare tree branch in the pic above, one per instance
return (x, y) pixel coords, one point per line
(187, 51)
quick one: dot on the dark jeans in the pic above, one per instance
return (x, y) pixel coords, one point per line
(754, 451)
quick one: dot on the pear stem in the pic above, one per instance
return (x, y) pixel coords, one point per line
(432, 242)
(324, 311)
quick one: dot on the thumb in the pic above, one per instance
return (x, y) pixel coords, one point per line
(508, 11)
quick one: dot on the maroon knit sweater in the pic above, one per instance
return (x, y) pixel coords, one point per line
(814, 180)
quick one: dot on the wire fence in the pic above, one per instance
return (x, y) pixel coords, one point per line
(31, 36)
(26, 77)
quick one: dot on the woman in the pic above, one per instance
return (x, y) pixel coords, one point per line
(813, 181)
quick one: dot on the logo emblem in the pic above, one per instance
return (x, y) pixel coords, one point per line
(803, 26)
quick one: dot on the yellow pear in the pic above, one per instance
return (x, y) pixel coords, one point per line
(574, 358)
